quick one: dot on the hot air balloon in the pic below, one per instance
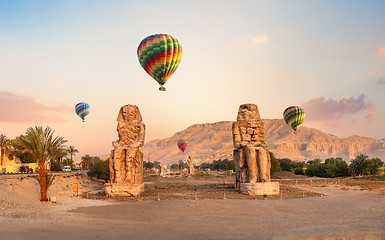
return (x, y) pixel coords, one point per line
(160, 55)
(294, 117)
(82, 110)
(182, 144)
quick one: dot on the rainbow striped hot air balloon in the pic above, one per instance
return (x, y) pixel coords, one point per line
(182, 144)
(160, 55)
(294, 117)
(82, 110)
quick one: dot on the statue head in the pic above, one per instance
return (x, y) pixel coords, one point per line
(129, 115)
(248, 112)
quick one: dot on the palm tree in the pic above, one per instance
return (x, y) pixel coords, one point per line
(5, 143)
(358, 164)
(43, 147)
(86, 160)
(72, 150)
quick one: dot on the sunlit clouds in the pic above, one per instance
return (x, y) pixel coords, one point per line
(381, 52)
(322, 109)
(371, 114)
(260, 39)
(26, 109)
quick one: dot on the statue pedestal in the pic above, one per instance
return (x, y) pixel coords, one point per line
(124, 189)
(260, 188)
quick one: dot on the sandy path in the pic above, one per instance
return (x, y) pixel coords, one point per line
(353, 212)
(344, 213)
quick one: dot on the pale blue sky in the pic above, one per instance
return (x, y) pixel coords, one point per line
(271, 53)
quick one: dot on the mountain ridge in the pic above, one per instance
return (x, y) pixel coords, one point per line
(213, 141)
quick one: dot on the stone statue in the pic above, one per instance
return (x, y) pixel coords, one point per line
(126, 160)
(251, 155)
(160, 170)
(190, 165)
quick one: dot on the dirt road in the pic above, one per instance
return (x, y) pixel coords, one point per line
(345, 213)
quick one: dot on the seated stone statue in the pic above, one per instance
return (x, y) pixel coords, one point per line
(126, 161)
(251, 156)
(190, 165)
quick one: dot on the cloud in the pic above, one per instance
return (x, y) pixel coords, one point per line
(381, 51)
(371, 114)
(259, 39)
(321, 109)
(26, 109)
(380, 81)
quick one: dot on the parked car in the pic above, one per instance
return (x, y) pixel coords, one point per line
(66, 168)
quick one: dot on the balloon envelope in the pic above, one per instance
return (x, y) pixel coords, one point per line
(182, 144)
(160, 55)
(82, 110)
(294, 117)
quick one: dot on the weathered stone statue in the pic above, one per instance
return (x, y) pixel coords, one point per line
(190, 165)
(160, 170)
(251, 155)
(126, 160)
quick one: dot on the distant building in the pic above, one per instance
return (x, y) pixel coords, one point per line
(16, 166)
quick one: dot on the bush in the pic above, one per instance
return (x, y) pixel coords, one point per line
(316, 169)
(100, 170)
(299, 171)
(274, 164)
(285, 164)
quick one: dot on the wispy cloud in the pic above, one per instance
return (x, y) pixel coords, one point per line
(322, 109)
(371, 114)
(21, 108)
(381, 51)
(259, 39)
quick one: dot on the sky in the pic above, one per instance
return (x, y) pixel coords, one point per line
(326, 56)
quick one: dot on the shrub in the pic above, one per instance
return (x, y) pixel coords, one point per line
(100, 170)
(299, 171)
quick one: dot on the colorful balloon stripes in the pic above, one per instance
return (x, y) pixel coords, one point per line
(182, 144)
(160, 55)
(82, 110)
(294, 117)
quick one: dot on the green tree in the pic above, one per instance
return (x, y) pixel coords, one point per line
(357, 166)
(285, 164)
(316, 168)
(148, 164)
(100, 170)
(299, 171)
(274, 164)
(71, 150)
(18, 151)
(336, 167)
(42, 146)
(174, 166)
(371, 166)
(86, 161)
(5, 144)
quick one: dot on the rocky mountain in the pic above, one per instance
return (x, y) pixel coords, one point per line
(213, 141)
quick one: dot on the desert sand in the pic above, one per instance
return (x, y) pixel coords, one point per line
(308, 208)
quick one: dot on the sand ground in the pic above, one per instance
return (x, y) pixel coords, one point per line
(342, 209)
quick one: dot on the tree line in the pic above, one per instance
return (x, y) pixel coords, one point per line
(333, 167)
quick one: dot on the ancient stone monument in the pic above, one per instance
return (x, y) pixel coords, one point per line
(126, 160)
(251, 155)
(160, 170)
(190, 165)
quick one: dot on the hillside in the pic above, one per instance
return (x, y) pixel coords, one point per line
(210, 141)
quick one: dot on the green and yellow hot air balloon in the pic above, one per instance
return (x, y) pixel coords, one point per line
(294, 117)
(160, 55)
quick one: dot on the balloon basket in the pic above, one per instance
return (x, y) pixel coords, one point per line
(162, 88)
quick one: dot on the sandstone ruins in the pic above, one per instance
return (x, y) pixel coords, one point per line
(251, 155)
(126, 160)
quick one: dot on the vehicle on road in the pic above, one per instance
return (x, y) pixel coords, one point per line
(66, 168)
